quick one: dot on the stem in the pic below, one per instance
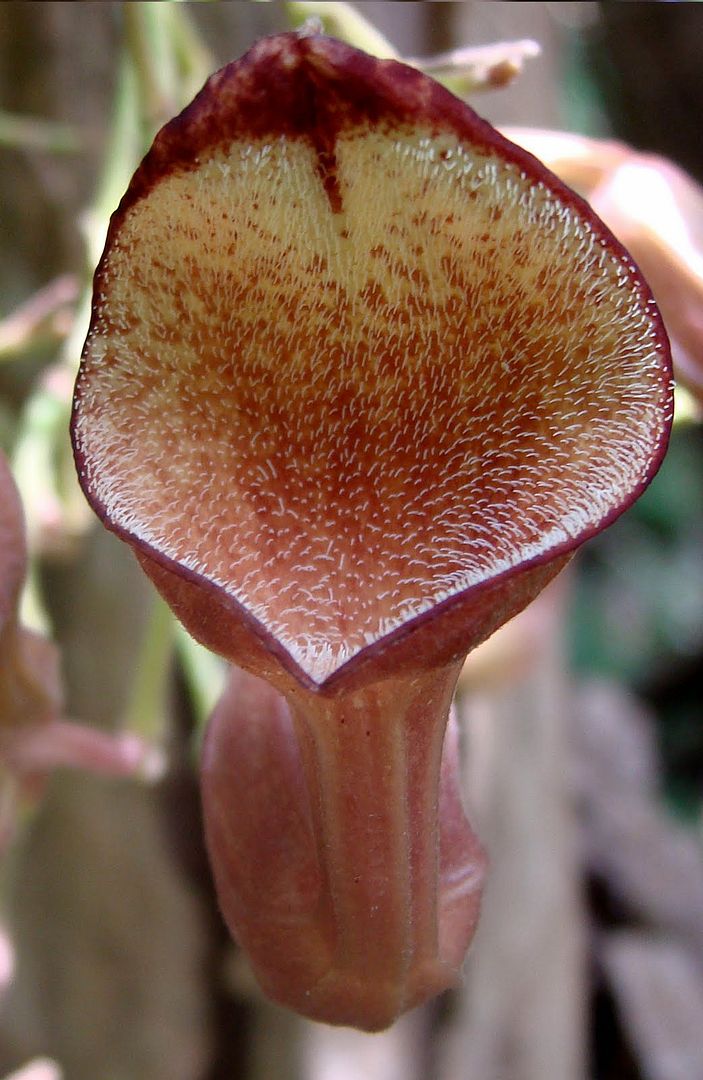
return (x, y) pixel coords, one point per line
(478, 67)
(147, 708)
(343, 21)
(372, 762)
(204, 674)
(45, 317)
(36, 133)
(147, 36)
(325, 842)
(123, 147)
(194, 61)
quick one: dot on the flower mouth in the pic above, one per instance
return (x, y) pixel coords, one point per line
(344, 411)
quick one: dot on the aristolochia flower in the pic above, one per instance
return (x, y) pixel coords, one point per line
(360, 377)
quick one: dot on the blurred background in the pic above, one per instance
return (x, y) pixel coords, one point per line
(581, 721)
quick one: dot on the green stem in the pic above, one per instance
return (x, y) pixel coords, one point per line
(122, 151)
(148, 41)
(343, 21)
(146, 710)
(204, 673)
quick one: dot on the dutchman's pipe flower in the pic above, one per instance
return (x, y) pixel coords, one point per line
(361, 376)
